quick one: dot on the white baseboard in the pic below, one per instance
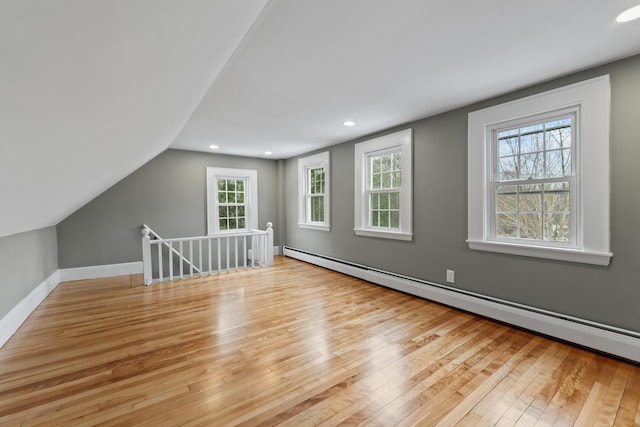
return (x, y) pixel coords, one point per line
(100, 271)
(608, 339)
(11, 321)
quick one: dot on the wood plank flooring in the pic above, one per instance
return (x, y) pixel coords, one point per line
(293, 345)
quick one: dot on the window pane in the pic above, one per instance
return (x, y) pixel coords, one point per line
(233, 225)
(240, 185)
(231, 197)
(375, 201)
(223, 223)
(394, 221)
(240, 211)
(374, 218)
(506, 198)
(531, 166)
(531, 226)
(241, 223)
(508, 147)
(556, 197)
(223, 212)
(222, 197)
(558, 163)
(384, 201)
(386, 163)
(558, 138)
(507, 225)
(394, 202)
(384, 218)
(386, 180)
(375, 165)
(397, 161)
(317, 208)
(222, 184)
(508, 168)
(530, 198)
(531, 143)
(556, 227)
(239, 197)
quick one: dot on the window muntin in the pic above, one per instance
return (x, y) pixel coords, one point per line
(534, 186)
(314, 192)
(383, 187)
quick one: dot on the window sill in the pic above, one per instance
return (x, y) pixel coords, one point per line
(396, 235)
(560, 254)
(314, 226)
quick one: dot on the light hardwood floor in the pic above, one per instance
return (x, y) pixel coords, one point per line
(293, 345)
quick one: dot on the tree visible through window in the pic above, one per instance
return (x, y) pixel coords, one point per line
(383, 202)
(538, 175)
(231, 204)
(386, 182)
(316, 193)
(534, 181)
(314, 188)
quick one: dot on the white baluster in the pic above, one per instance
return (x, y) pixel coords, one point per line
(146, 256)
(170, 260)
(269, 252)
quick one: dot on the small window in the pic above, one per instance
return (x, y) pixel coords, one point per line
(231, 204)
(383, 201)
(539, 175)
(232, 200)
(314, 188)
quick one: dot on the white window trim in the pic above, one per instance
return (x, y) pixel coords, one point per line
(251, 194)
(304, 165)
(591, 98)
(403, 141)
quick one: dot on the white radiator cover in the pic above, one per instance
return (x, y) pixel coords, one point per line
(608, 339)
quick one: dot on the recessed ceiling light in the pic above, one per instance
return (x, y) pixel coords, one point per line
(629, 14)
(268, 153)
(349, 123)
(213, 147)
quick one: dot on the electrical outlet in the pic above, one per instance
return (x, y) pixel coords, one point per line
(451, 276)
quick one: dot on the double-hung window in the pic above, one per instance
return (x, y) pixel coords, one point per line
(534, 188)
(232, 200)
(539, 177)
(314, 192)
(383, 187)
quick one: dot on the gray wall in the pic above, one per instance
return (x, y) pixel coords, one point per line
(26, 260)
(168, 194)
(604, 294)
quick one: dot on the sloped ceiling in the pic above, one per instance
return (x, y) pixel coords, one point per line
(92, 89)
(309, 65)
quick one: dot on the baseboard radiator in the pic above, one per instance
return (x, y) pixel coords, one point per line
(608, 339)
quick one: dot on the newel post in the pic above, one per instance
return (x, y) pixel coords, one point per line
(269, 260)
(146, 256)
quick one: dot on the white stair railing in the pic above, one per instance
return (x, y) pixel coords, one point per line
(155, 236)
(215, 253)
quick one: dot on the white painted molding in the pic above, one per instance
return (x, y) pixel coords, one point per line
(608, 339)
(11, 321)
(100, 271)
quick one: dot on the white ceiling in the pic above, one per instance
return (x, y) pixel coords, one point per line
(92, 89)
(306, 66)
